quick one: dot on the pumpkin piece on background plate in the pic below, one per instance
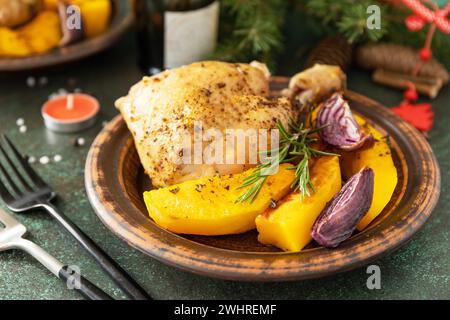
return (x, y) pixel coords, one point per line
(43, 33)
(50, 4)
(289, 225)
(12, 44)
(96, 15)
(378, 157)
(207, 206)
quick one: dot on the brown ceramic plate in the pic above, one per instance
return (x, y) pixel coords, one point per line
(115, 182)
(122, 19)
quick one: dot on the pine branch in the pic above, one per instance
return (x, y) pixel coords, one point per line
(353, 24)
(255, 30)
(349, 17)
(252, 29)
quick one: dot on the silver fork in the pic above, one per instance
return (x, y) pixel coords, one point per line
(24, 190)
(11, 237)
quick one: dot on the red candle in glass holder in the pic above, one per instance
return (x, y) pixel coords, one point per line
(70, 113)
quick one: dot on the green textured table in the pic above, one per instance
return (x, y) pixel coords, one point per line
(421, 269)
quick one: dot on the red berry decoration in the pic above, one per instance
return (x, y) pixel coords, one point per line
(414, 23)
(424, 12)
(425, 54)
(411, 95)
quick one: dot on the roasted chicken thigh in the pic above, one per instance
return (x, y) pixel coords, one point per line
(163, 110)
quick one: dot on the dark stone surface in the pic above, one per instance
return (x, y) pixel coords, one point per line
(419, 270)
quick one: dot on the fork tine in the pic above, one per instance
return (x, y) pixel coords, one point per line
(25, 165)
(7, 177)
(4, 193)
(18, 174)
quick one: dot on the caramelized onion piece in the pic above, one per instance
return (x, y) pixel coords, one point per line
(71, 23)
(339, 218)
(341, 129)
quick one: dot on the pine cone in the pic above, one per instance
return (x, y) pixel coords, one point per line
(334, 50)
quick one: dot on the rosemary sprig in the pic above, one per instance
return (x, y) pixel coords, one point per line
(294, 147)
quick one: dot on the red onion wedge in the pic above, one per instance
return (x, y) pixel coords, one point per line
(339, 218)
(339, 127)
(71, 23)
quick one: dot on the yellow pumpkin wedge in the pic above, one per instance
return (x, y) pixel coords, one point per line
(377, 157)
(50, 4)
(96, 15)
(288, 226)
(40, 35)
(207, 206)
(12, 44)
(43, 33)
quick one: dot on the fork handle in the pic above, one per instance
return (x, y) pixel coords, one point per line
(118, 275)
(83, 286)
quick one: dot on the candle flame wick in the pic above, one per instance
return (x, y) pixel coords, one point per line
(69, 104)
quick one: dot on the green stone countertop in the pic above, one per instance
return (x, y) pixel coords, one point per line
(419, 270)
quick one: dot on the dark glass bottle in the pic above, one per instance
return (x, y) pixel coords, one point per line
(175, 32)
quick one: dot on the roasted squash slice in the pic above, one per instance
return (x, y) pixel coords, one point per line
(40, 35)
(207, 206)
(12, 44)
(378, 157)
(51, 4)
(96, 15)
(43, 33)
(289, 225)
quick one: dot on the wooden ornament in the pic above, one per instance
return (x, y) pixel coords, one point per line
(425, 85)
(399, 59)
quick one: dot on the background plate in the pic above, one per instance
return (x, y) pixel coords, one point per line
(115, 182)
(122, 19)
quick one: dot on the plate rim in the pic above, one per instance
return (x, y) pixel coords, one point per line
(281, 266)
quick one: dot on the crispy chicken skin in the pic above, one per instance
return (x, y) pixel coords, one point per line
(160, 110)
(313, 85)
